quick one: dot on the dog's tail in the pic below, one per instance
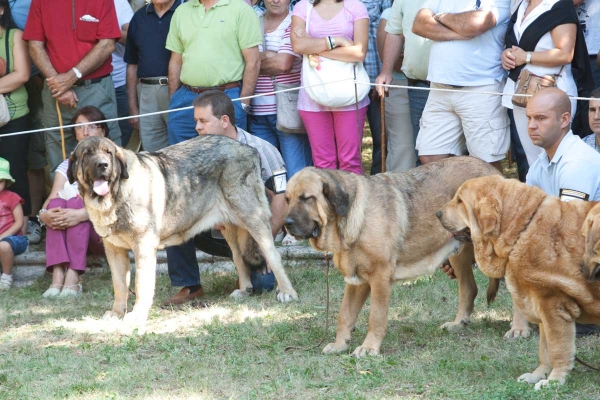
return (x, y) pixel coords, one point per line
(492, 290)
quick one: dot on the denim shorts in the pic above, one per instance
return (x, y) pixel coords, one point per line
(18, 243)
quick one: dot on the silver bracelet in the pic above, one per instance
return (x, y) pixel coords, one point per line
(43, 210)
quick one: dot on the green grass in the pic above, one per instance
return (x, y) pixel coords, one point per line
(61, 349)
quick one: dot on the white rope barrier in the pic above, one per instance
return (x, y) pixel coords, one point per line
(454, 90)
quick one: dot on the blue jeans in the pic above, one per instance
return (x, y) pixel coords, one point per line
(294, 147)
(181, 260)
(123, 111)
(516, 148)
(181, 124)
(17, 243)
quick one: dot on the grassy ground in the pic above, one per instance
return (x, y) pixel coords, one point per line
(61, 349)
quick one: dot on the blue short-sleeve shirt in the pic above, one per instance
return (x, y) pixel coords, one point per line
(573, 173)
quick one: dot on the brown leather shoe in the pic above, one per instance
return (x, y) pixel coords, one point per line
(183, 296)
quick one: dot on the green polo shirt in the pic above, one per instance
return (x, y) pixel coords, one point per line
(211, 42)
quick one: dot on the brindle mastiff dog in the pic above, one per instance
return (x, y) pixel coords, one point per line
(382, 229)
(149, 201)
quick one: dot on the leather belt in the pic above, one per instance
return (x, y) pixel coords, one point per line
(163, 80)
(415, 82)
(90, 81)
(452, 86)
(201, 89)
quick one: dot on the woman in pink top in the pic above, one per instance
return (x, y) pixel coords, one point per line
(334, 136)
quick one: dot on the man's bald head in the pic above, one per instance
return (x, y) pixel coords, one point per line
(552, 99)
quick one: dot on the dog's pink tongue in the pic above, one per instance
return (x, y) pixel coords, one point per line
(101, 187)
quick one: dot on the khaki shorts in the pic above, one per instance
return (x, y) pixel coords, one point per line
(459, 123)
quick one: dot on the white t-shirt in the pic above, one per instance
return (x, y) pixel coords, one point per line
(474, 62)
(589, 18)
(124, 15)
(565, 81)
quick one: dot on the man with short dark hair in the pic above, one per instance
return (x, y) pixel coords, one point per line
(214, 45)
(593, 140)
(214, 114)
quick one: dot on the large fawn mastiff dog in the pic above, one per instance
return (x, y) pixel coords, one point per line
(382, 229)
(149, 201)
(536, 242)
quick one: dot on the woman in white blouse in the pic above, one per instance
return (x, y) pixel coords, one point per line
(552, 54)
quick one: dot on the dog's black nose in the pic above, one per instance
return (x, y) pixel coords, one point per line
(288, 221)
(439, 214)
(102, 165)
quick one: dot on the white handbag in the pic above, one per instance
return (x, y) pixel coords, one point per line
(331, 82)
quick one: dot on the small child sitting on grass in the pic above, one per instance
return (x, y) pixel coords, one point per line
(12, 240)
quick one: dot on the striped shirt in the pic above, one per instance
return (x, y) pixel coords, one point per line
(373, 60)
(279, 42)
(270, 159)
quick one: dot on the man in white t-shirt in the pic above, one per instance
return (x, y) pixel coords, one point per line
(468, 39)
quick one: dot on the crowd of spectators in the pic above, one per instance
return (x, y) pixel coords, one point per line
(66, 61)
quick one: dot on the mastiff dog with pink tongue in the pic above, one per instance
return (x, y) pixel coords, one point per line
(148, 201)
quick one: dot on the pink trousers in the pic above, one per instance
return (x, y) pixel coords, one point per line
(70, 246)
(335, 139)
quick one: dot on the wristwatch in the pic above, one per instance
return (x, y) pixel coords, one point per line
(77, 72)
(246, 108)
(528, 58)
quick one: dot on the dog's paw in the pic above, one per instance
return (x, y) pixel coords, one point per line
(239, 294)
(517, 333)
(135, 318)
(286, 297)
(111, 315)
(335, 348)
(530, 378)
(363, 351)
(454, 326)
(547, 382)
(133, 321)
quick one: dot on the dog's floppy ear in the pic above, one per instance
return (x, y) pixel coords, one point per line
(71, 175)
(487, 212)
(120, 157)
(333, 192)
(592, 242)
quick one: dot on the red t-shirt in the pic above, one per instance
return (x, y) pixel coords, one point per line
(8, 202)
(69, 37)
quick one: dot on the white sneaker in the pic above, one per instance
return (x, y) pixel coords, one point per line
(71, 291)
(6, 282)
(53, 291)
(34, 232)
